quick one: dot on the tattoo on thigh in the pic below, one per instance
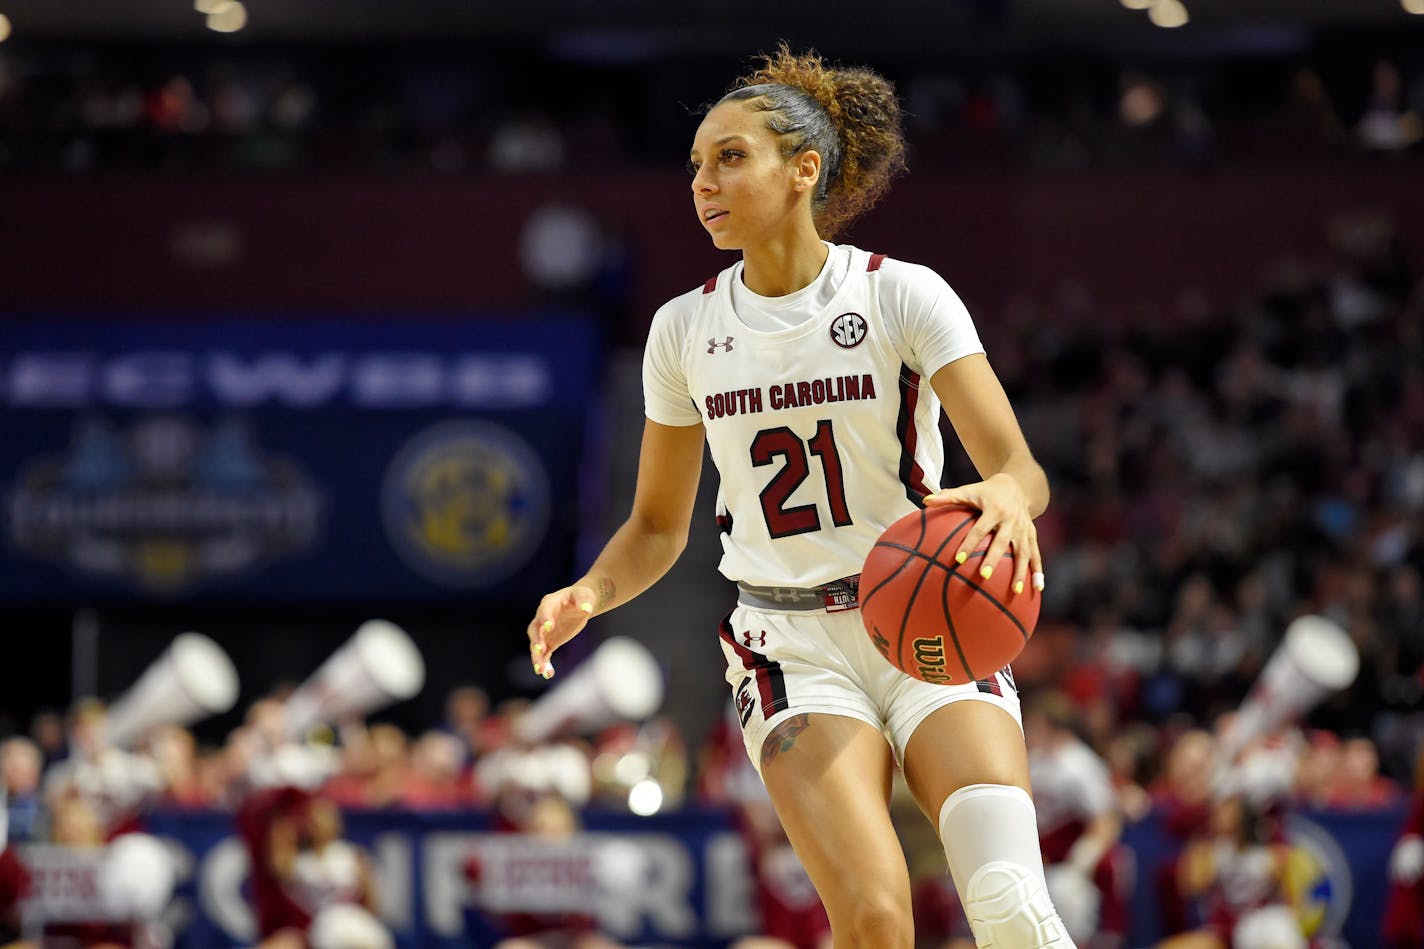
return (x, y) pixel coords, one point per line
(783, 736)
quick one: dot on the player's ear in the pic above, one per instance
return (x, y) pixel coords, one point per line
(806, 168)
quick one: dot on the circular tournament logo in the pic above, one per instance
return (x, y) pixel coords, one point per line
(466, 503)
(1317, 878)
(847, 330)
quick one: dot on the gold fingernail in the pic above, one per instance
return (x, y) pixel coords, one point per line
(548, 672)
(586, 607)
(961, 557)
(548, 626)
(986, 571)
(538, 647)
(1018, 586)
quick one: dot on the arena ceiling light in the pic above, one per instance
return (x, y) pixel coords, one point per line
(1413, 6)
(4, 28)
(1168, 14)
(227, 17)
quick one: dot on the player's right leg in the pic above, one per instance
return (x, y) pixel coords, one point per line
(829, 779)
(816, 738)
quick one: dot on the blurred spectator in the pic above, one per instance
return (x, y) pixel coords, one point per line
(20, 770)
(435, 779)
(1237, 873)
(174, 751)
(1182, 798)
(1357, 783)
(529, 143)
(332, 879)
(116, 785)
(375, 762)
(14, 887)
(1079, 826)
(47, 732)
(550, 825)
(561, 251)
(1388, 124)
(465, 711)
(1403, 924)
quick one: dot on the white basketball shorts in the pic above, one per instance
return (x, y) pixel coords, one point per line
(784, 663)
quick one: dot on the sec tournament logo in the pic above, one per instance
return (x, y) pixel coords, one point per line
(847, 330)
(466, 503)
(1317, 878)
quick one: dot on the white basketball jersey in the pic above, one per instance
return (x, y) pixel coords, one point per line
(824, 432)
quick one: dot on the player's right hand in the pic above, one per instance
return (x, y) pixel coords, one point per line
(560, 617)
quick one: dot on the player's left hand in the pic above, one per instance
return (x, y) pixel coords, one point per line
(1004, 513)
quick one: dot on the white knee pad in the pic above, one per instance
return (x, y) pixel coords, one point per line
(1008, 908)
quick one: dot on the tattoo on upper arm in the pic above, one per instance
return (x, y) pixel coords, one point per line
(783, 736)
(606, 591)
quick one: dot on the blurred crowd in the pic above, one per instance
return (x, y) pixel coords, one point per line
(67, 786)
(1218, 472)
(1224, 878)
(528, 112)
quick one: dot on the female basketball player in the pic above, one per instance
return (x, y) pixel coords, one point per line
(815, 372)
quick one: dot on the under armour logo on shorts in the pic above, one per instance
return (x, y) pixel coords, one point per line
(760, 638)
(713, 345)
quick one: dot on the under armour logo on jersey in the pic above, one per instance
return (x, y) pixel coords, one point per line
(847, 330)
(747, 638)
(713, 345)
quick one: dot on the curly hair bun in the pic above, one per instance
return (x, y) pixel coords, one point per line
(865, 113)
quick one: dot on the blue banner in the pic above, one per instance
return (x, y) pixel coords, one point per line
(286, 460)
(682, 878)
(675, 879)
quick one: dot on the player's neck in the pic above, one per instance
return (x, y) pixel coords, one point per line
(777, 268)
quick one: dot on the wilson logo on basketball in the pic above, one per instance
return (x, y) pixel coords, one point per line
(847, 330)
(929, 657)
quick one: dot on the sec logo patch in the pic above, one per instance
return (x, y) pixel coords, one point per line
(847, 330)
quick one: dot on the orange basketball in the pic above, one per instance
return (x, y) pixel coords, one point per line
(935, 619)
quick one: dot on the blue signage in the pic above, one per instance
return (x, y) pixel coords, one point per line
(314, 460)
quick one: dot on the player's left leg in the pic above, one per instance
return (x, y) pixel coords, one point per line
(968, 769)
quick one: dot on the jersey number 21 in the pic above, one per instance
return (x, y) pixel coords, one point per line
(783, 521)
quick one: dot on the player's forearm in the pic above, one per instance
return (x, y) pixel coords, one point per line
(635, 557)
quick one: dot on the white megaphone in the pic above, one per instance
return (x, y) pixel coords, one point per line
(377, 666)
(1315, 659)
(193, 679)
(619, 681)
